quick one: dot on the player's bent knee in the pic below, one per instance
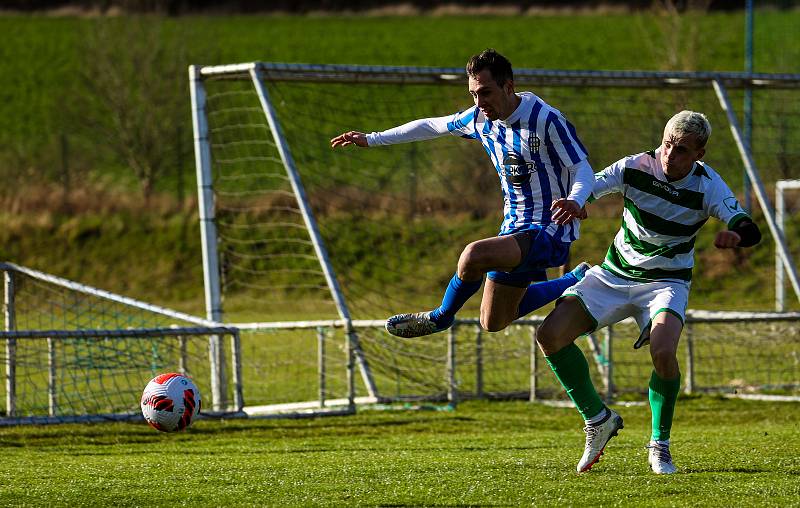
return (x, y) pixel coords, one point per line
(469, 256)
(469, 262)
(545, 335)
(665, 363)
(493, 324)
(562, 326)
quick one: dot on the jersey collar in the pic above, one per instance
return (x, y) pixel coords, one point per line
(513, 117)
(700, 170)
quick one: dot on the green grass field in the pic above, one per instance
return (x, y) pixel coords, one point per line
(729, 453)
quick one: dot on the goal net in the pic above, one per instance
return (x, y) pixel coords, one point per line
(75, 353)
(300, 236)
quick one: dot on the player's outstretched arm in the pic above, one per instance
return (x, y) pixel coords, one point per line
(350, 138)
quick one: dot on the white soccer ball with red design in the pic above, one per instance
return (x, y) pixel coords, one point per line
(170, 402)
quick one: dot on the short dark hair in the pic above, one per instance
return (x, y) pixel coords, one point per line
(498, 65)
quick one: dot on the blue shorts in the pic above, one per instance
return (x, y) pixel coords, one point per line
(545, 252)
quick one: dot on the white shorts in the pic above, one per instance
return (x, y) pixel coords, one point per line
(609, 299)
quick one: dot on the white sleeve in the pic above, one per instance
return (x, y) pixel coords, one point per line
(418, 130)
(721, 203)
(582, 176)
(609, 180)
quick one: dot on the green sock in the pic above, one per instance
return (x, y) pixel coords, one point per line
(572, 371)
(663, 394)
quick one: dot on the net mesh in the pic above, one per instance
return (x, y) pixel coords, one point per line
(79, 370)
(284, 366)
(394, 219)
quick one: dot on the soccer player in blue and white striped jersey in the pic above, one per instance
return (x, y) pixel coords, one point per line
(545, 179)
(669, 194)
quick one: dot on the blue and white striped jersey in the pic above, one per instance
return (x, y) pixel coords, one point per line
(531, 151)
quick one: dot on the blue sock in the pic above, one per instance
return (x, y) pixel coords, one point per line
(542, 293)
(456, 295)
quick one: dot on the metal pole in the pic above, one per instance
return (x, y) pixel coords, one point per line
(51, 377)
(780, 210)
(311, 225)
(689, 388)
(452, 393)
(321, 364)
(608, 378)
(479, 363)
(534, 364)
(236, 361)
(9, 313)
(182, 354)
(351, 377)
(761, 194)
(208, 233)
(748, 94)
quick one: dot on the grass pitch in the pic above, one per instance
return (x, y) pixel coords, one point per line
(729, 453)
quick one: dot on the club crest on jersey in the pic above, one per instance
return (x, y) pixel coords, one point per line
(732, 205)
(533, 143)
(516, 170)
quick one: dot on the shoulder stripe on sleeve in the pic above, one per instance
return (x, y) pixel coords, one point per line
(574, 134)
(564, 138)
(461, 121)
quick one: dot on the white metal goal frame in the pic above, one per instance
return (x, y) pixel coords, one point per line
(781, 186)
(259, 72)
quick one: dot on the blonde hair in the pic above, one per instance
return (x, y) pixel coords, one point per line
(690, 123)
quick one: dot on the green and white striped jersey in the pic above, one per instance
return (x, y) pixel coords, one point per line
(661, 218)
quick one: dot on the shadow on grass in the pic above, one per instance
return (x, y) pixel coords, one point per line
(745, 470)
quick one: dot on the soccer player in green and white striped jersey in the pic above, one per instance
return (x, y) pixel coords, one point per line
(669, 194)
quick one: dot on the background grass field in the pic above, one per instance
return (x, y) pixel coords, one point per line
(730, 453)
(105, 224)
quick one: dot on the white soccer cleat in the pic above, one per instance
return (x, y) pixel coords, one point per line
(659, 458)
(597, 436)
(413, 325)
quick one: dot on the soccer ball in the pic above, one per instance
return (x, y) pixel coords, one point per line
(170, 402)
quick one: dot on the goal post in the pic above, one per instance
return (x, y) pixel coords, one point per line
(782, 250)
(781, 187)
(307, 237)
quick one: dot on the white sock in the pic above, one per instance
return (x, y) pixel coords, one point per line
(594, 420)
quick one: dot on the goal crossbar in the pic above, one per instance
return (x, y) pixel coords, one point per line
(107, 295)
(540, 77)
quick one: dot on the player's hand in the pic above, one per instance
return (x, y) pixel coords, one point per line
(727, 240)
(564, 210)
(350, 138)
